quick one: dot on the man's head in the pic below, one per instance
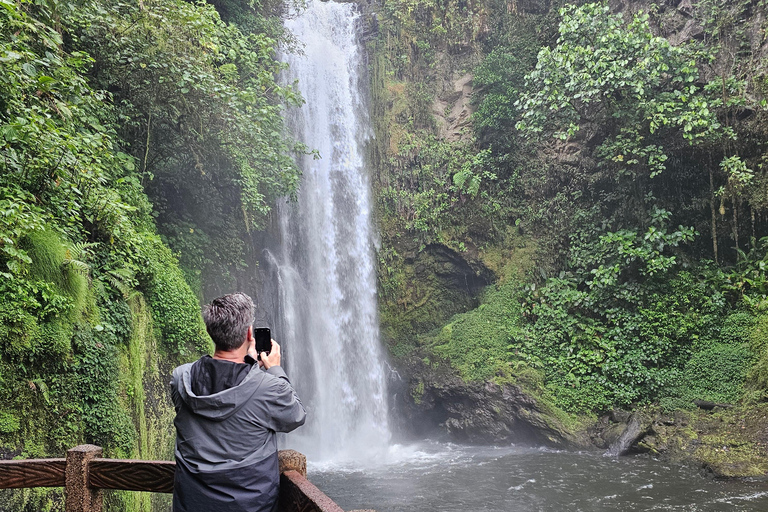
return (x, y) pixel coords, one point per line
(227, 320)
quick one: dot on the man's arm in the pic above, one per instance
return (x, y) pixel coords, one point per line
(284, 408)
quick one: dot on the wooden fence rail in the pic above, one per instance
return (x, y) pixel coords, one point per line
(84, 474)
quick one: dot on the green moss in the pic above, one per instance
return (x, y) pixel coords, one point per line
(416, 297)
(730, 443)
(54, 262)
(511, 259)
(175, 308)
(477, 342)
(757, 377)
(9, 423)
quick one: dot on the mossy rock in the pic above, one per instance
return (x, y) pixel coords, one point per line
(728, 443)
(423, 290)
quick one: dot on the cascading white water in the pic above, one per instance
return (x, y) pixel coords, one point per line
(324, 266)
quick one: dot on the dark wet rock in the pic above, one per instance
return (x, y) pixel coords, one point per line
(635, 429)
(708, 406)
(479, 412)
(620, 416)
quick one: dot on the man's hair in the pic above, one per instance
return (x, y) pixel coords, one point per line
(227, 320)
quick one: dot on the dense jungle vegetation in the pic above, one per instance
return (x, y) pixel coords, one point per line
(600, 167)
(142, 146)
(607, 167)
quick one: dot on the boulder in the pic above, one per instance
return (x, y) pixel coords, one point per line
(636, 428)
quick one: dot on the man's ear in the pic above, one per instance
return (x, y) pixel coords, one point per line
(248, 336)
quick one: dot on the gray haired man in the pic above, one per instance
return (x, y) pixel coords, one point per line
(228, 408)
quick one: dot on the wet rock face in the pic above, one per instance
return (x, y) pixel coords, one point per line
(607, 430)
(437, 282)
(489, 413)
(436, 401)
(635, 429)
(453, 111)
(455, 272)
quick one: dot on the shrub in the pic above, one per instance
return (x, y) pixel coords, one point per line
(757, 377)
(477, 342)
(715, 374)
(175, 308)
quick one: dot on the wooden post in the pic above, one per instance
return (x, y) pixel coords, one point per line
(79, 496)
(291, 460)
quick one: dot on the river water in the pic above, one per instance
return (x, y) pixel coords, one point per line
(437, 477)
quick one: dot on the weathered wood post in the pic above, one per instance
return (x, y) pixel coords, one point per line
(79, 496)
(292, 460)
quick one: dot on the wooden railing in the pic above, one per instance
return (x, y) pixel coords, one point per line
(84, 475)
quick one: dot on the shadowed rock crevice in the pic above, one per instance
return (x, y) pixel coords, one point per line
(439, 402)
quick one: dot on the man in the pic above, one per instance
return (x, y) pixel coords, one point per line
(228, 408)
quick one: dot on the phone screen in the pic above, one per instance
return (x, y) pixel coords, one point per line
(263, 337)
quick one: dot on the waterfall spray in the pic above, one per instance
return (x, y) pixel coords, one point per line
(324, 268)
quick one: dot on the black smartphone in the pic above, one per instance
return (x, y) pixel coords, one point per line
(263, 337)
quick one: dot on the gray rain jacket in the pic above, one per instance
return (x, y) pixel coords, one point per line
(226, 447)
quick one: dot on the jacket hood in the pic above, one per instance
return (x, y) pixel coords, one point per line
(218, 406)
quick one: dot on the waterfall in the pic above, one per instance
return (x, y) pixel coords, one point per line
(324, 269)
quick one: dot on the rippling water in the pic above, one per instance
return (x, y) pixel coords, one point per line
(439, 477)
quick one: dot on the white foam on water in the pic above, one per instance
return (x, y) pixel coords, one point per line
(742, 497)
(519, 487)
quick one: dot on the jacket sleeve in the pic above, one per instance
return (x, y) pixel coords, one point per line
(175, 383)
(284, 409)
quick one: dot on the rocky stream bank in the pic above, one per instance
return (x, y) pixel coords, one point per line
(724, 442)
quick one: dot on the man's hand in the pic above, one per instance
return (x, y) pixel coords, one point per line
(252, 346)
(273, 359)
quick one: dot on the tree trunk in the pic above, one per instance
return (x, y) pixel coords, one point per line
(735, 225)
(713, 210)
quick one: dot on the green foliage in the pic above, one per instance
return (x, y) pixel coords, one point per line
(418, 392)
(105, 422)
(736, 328)
(442, 178)
(499, 82)
(634, 88)
(19, 217)
(9, 423)
(176, 312)
(476, 342)
(757, 377)
(610, 332)
(616, 113)
(55, 143)
(715, 374)
(748, 279)
(605, 148)
(76, 239)
(200, 110)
